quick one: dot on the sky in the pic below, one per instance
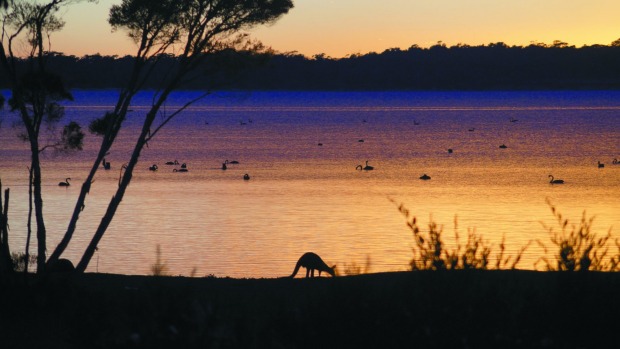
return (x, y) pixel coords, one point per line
(338, 28)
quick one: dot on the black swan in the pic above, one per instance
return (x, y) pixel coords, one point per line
(555, 181)
(365, 168)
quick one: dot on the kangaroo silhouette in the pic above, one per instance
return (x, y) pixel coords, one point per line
(311, 261)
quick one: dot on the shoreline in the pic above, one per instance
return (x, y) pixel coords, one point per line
(514, 308)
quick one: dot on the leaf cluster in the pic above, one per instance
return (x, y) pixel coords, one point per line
(34, 20)
(100, 126)
(146, 21)
(37, 87)
(72, 136)
(198, 25)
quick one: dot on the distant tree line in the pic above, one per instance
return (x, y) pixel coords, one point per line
(459, 67)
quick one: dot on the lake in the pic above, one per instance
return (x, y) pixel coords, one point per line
(303, 196)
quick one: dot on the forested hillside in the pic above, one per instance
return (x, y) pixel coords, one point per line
(493, 66)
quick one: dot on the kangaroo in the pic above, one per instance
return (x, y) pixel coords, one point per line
(311, 261)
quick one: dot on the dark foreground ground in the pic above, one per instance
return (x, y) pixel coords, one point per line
(480, 309)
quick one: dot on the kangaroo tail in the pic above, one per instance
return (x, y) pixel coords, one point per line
(297, 266)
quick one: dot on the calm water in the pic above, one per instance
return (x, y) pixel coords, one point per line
(305, 197)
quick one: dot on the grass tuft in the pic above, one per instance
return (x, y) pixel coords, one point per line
(357, 269)
(159, 268)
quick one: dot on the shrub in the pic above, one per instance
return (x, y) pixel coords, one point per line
(430, 251)
(578, 248)
(19, 261)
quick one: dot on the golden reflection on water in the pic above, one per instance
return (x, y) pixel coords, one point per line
(305, 197)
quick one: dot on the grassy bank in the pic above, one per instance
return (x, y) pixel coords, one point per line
(456, 309)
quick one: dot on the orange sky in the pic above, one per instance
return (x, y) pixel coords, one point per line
(341, 27)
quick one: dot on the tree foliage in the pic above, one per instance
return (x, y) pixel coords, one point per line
(194, 30)
(188, 30)
(36, 91)
(72, 136)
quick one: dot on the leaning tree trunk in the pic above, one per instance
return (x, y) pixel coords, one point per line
(38, 207)
(106, 144)
(120, 112)
(111, 211)
(6, 264)
(125, 180)
(29, 224)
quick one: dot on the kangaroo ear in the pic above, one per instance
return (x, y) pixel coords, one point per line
(334, 266)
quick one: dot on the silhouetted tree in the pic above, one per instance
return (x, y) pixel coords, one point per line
(36, 91)
(202, 28)
(559, 44)
(6, 263)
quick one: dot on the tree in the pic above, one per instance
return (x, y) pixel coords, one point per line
(6, 264)
(200, 29)
(560, 44)
(36, 92)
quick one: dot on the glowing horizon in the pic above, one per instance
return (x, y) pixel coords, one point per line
(343, 27)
